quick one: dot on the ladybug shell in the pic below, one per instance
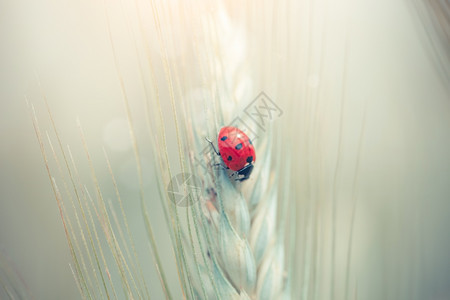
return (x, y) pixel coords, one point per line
(235, 148)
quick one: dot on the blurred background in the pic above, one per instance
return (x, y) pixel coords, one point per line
(382, 67)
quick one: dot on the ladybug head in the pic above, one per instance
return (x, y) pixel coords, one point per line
(245, 172)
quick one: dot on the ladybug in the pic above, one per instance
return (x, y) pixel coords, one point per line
(236, 150)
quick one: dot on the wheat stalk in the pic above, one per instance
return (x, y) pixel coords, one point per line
(223, 231)
(229, 242)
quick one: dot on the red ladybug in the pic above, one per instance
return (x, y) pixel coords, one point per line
(236, 150)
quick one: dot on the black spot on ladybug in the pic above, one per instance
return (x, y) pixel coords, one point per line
(249, 159)
(224, 138)
(230, 158)
(250, 141)
(238, 146)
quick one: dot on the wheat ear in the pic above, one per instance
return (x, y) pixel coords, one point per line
(228, 243)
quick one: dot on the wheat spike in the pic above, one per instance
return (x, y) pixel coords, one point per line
(226, 239)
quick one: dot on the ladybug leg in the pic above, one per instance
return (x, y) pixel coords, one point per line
(220, 165)
(245, 172)
(212, 145)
